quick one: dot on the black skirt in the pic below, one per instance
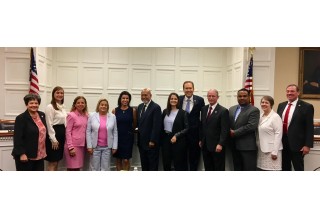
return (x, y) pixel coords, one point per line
(56, 155)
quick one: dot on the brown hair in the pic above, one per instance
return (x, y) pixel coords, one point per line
(31, 97)
(168, 103)
(53, 101)
(73, 108)
(269, 99)
(188, 82)
(294, 85)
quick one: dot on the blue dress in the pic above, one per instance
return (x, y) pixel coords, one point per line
(125, 133)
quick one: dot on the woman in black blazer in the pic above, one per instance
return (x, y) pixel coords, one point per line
(29, 138)
(174, 128)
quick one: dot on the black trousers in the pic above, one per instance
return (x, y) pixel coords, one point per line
(289, 156)
(244, 160)
(176, 153)
(193, 150)
(30, 165)
(213, 161)
(149, 158)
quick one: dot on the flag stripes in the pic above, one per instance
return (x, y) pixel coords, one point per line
(34, 82)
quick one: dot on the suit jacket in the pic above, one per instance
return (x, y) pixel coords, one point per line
(76, 129)
(245, 127)
(301, 128)
(26, 135)
(193, 116)
(270, 133)
(216, 129)
(149, 125)
(93, 130)
(180, 126)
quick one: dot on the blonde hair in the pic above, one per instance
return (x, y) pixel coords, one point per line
(98, 104)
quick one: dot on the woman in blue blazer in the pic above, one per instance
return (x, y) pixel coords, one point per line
(102, 136)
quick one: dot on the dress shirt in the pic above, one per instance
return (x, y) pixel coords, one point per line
(169, 120)
(55, 117)
(185, 103)
(213, 107)
(293, 107)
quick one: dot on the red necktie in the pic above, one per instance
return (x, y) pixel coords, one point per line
(209, 113)
(285, 121)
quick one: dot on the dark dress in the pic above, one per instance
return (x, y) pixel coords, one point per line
(56, 155)
(125, 133)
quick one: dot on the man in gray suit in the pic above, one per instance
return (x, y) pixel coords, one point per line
(244, 120)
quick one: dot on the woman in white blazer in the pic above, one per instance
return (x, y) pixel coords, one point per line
(270, 135)
(102, 137)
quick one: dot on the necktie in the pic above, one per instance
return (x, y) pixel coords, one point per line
(237, 113)
(209, 113)
(285, 120)
(188, 106)
(143, 109)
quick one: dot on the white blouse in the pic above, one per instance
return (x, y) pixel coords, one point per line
(55, 117)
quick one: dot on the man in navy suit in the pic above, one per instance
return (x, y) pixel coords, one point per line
(298, 129)
(149, 128)
(214, 132)
(192, 104)
(244, 120)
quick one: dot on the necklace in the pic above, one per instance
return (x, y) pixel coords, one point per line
(123, 110)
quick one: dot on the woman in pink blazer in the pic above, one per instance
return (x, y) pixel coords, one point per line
(74, 149)
(270, 137)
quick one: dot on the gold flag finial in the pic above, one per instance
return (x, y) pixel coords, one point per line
(251, 50)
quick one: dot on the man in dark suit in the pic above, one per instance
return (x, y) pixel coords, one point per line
(244, 120)
(298, 129)
(192, 104)
(214, 132)
(149, 128)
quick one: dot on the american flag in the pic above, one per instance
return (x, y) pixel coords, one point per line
(34, 83)
(249, 81)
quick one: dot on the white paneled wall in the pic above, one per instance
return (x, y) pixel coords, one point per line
(105, 72)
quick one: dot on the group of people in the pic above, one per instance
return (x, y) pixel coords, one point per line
(184, 129)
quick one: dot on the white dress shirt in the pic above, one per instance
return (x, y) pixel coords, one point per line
(293, 107)
(55, 117)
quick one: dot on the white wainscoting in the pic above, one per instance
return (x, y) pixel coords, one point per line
(104, 72)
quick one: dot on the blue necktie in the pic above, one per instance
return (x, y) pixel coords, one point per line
(237, 113)
(188, 106)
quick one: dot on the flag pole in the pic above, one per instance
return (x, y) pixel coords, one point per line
(249, 78)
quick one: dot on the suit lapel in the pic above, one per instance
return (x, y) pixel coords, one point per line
(204, 112)
(243, 110)
(176, 119)
(194, 103)
(97, 116)
(282, 107)
(264, 120)
(296, 111)
(147, 112)
(181, 101)
(214, 112)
